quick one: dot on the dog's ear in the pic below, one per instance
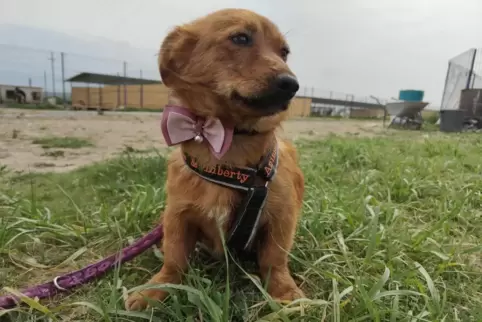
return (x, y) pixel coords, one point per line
(175, 53)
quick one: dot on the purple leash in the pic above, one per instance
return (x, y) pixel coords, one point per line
(70, 280)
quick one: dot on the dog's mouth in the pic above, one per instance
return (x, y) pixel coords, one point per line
(276, 98)
(266, 103)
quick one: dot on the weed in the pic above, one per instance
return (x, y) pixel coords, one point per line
(54, 153)
(62, 142)
(129, 149)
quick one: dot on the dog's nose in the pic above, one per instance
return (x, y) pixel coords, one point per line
(287, 83)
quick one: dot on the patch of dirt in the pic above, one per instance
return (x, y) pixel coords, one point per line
(315, 128)
(115, 132)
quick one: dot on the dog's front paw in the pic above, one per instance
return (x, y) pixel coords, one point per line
(288, 295)
(138, 301)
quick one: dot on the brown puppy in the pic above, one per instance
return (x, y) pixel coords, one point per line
(230, 65)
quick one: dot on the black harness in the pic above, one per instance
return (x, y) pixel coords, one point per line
(252, 183)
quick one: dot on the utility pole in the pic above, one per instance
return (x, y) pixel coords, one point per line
(100, 111)
(45, 84)
(62, 67)
(29, 82)
(118, 93)
(125, 87)
(52, 62)
(142, 93)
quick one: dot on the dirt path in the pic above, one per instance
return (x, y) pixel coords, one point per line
(113, 133)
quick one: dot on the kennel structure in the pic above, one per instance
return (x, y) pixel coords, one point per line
(463, 91)
(109, 92)
(21, 94)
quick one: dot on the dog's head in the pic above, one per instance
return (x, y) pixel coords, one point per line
(233, 57)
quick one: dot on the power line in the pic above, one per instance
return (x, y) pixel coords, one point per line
(99, 58)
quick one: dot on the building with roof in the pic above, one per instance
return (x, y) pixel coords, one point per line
(20, 94)
(110, 92)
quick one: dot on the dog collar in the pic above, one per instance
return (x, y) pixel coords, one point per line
(245, 132)
(252, 182)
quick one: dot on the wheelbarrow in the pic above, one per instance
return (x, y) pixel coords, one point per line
(406, 115)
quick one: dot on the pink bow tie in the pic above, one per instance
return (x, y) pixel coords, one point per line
(178, 125)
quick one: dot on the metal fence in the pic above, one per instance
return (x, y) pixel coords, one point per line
(464, 72)
(49, 70)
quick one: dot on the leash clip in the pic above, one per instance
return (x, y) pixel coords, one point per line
(56, 284)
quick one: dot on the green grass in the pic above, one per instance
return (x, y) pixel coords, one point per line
(62, 142)
(391, 231)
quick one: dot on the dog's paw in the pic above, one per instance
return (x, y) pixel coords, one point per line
(138, 301)
(289, 295)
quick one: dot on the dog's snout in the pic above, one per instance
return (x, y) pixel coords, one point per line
(287, 83)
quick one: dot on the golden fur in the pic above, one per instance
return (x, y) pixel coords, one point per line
(202, 68)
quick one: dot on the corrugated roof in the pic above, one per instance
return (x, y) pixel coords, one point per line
(20, 86)
(105, 79)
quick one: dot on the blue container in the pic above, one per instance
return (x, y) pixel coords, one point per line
(411, 95)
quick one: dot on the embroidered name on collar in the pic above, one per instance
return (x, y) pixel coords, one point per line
(242, 178)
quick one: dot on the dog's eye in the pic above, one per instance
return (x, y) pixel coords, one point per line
(284, 53)
(242, 39)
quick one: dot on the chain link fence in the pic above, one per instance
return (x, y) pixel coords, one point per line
(464, 72)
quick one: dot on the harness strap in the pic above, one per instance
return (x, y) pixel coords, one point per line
(247, 215)
(252, 182)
